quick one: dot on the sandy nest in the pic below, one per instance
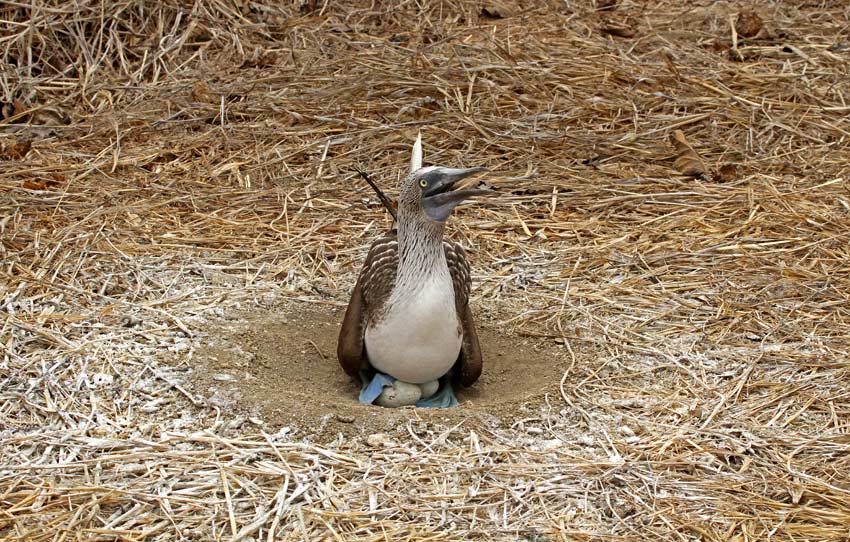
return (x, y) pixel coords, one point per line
(662, 285)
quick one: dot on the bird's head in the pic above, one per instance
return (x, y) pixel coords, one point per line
(431, 191)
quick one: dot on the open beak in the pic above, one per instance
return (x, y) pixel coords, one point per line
(441, 198)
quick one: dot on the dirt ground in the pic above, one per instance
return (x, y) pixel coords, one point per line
(281, 365)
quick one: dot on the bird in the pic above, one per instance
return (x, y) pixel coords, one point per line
(408, 321)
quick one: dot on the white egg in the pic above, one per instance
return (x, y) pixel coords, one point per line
(429, 388)
(399, 394)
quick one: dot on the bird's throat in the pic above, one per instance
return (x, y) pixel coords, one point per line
(419, 336)
(421, 255)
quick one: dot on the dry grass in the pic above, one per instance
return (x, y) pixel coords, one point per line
(190, 158)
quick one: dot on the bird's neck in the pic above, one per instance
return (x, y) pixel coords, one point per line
(421, 257)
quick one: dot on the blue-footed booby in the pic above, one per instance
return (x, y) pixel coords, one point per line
(409, 316)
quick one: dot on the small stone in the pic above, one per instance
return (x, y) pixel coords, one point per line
(131, 321)
(626, 430)
(749, 24)
(152, 406)
(282, 434)
(102, 379)
(235, 423)
(345, 418)
(586, 440)
(223, 377)
(377, 439)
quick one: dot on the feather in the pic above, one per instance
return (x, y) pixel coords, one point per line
(372, 292)
(416, 155)
(385, 201)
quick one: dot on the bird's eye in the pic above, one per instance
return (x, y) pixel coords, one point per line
(423, 183)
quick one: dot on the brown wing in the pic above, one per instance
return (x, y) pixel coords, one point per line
(371, 291)
(469, 363)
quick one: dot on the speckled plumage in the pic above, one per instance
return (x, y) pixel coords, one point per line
(372, 293)
(397, 268)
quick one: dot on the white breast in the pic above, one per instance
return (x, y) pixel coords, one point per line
(419, 339)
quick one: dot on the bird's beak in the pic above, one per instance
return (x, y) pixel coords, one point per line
(440, 197)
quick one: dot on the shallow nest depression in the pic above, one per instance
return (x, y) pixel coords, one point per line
(670, 244)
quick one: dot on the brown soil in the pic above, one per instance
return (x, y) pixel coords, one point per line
(282, 367)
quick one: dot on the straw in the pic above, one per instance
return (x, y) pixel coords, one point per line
(166, 164)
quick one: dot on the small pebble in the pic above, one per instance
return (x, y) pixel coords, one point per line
(152, 406)
(131, 321)
(102, 379)
(626, 430)
(376, 439)
(586, 440)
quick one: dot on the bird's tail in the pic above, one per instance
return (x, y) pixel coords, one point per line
(416, 156)
(381, 196)
(415, 163)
